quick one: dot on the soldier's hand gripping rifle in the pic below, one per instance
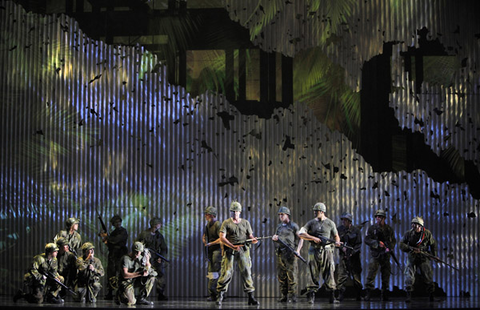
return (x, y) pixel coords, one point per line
(292, 250)
(431, 256)
(159, 255)
(50, 276)
(248, 241)
(103, 234)
(331, 241)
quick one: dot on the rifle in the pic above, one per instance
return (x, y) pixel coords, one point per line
(292, 250)
(329, 241)
(104, 227)
(432, 257)
(158, 254)
(53, 278)
(251, 240)
(380, 234)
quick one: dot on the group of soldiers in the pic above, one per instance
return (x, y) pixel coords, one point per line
(230, 242)
(132, 276)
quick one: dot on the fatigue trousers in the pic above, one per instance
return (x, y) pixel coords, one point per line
(244, 263)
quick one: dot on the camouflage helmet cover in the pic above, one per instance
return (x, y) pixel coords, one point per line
(284, 210)
(417, 220)
(72, 221)
(347, 216)
(87, 246)
(61, 242)
(138, 247)
(319, 206)
(381, 212)
(50, 247)
(211, 210)
(235, 206)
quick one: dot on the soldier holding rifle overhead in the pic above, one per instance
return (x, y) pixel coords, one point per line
(233, 234)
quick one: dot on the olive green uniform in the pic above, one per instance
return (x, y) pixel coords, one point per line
(126, 287)
(36, 287)
(287, 265)
(214, 252)
(88, 281)
(74, 240)
(350, 265)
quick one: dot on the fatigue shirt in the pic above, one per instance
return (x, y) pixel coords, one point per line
(423, 240)
(317, 228)
(236, 233)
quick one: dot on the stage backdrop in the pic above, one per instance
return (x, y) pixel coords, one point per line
(90, 129)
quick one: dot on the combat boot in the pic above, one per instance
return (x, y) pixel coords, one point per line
(384, 295)
(332, 298)
(341, 295)
(220, 298)
(367, 295)
(311, 297)
(431, 298)
(409, 297)
(252, 300)
(283, 299)
(292, 298)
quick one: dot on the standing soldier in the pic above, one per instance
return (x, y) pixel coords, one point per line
(138, 274)
(90, 270)
(211, 241)
(42, 281)
(414, 242)
(350, 265)
(233, 234)
(116, 243)
(320, 253)
(71, 235)
(287, 265)
(153, 239)
(66, 265)
(381, 240)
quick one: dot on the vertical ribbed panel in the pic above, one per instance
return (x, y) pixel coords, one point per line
(90, 127)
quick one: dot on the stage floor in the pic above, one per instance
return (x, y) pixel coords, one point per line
(6, 302)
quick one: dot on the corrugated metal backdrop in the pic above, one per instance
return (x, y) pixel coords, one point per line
(88, 127)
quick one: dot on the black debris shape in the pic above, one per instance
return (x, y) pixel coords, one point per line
(471, 215)
(433, 195)
(288, 144)
(446, 214)
(232, 180)
(226, 118)
(206, 146)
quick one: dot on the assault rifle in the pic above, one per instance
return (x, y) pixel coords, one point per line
(50, 276)
(292, 250)
(251, 240)
(104, 227)
(331, 241)
(158, 254)
(431, 257)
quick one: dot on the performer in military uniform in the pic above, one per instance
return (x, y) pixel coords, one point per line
(39, 282)
(320, 254)
(71, 235)
(211, 241)
(66, 265)
(90, 270)
(414, 242)
(116, 243)
(349, 265)
(287, 265)
(381, 240)
(136, 273)
(153, 239)
(233, 234)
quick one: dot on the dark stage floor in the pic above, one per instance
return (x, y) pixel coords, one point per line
(6, 302)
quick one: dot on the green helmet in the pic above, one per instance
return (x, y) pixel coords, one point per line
(155, 221)
(347, 216)
(211, 210)
(87, 246)
(61, 242)
(417, 220)
(50, 247)
(319, 206)
(381, 212)
(284, 210)
(115, 218)
(235, 206)
(138, 247)
(72, 221)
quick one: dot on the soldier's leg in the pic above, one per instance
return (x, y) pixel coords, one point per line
(386, 270)
(342, 278)
(226, 274)
(427, 275)
(371, 275)
(292, 274)
(214, 268)
(282, 277)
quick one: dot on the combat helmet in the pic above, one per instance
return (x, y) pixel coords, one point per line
(284, 210)
(138, 247)
(154, 221)
(319, 206)
(235, 206)
(61, 242)
(50, 248)
(211, 210)
(418, 220)
(115, 218)
(381, 212)
(347, 216)
(87, 246)
(72, 221)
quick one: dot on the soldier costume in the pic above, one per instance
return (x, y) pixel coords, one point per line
(153, 239)
(90, 270)
(116, 243)
(233, 232)
(38, 283)
(287, 265)
(320, 254)
(66, 265)
(349, 265)
(136, 273)
(381, 240)
(71, 235)
(211, 240)
(417, 240)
